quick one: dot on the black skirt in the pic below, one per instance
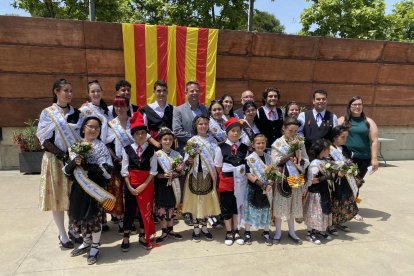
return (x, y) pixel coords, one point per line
(164, 195)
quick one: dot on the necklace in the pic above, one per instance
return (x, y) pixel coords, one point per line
(67, 105)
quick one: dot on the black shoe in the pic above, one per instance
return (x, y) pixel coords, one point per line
(332, 230)
(248, 238)
(207, 235)
(67, 245)
(125, 246)
(161, 238)
(75, 239)
(175, 235)
(188, 219)
(196, 237)
(275, 240)
(143, 243)
(79, 251)
(296, 240)
(266, 238)
(105, 228)
(92, 258)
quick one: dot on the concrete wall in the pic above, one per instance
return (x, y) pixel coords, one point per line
(403, 146)
(9, 152)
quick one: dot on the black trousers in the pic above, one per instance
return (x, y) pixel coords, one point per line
(131, 210)
(363, 165)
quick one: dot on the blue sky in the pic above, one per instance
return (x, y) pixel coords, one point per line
(287, 11)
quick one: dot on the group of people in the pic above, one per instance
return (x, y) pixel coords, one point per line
(216, 165)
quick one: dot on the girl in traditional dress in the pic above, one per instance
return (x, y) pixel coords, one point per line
(216, 123)
(167, 185)
(292, 110)
(139, 166)
(287, 201)
(228, 104)
(259, 190)
(344, 207)
(317, 209)
(85, 211)
(200, 195)
(249, 122)
(57, 132)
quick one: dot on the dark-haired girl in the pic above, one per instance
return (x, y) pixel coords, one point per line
(96, 107)
(57, 132)
(249, 121)
(344, 207)
(228, 104)
(85, 212)
(292, 110)
(287, 201)
(216, 122)
(317, 209)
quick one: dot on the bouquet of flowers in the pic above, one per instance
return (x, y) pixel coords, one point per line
(350, 168)
(178, 165)
(82, 148)
(296, 143)
(272, 173)
(333, 167)
(192, 149)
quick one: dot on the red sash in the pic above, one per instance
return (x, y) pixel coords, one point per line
(145, 200)
(226, 183)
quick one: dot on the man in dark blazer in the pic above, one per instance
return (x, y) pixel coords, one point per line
(184, 114)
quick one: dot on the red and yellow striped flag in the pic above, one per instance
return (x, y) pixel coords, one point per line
(174, 54)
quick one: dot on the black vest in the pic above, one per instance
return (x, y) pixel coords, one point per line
(235, 160)
(312, 132)
(154, 120)
(271, 129)
(144, 164)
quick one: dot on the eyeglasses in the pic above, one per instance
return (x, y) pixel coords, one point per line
(93, 127)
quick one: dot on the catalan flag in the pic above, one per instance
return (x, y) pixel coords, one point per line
(174, 54)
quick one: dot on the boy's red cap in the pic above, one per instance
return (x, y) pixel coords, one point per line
(137, 122)
(232, 122)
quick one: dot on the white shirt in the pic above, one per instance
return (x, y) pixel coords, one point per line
(266, 109)
(125, 160)
(301, 119)
(158, 109)
(218, 157)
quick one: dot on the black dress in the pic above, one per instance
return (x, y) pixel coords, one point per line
(164, 194)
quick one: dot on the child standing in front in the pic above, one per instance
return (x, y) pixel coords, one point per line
(257, 205)
(167, 185)
(318, 206)
(231, 165)
(139, 166)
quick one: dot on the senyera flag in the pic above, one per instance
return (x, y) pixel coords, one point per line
(174, 54)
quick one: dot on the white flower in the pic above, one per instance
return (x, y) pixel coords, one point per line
(349, 171)
(327, 165)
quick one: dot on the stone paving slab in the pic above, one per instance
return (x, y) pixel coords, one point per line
(381, 245)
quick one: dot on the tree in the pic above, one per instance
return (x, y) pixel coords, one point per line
(402, 21)
(266, 22)
(364, 19)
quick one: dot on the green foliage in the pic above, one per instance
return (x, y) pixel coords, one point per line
(26, 138)
(402, 21)
(266, 22)
(364, 19)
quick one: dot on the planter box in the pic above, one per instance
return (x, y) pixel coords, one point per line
(30, 162)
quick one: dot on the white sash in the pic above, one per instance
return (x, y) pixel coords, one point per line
(240, 185)
(68, 135)
(94, 190)
(207, 159)
(217, 131)
(123, 136)
(257, 168)
(338, 156)
(166, 163)
(291, 167)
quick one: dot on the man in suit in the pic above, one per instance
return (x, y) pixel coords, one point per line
(318, 122)
(182, 124)
(246, 96)
(159, 113)
(184, 114)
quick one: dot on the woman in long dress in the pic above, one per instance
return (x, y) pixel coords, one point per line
(57, 132)
(287, 201)
(200, 195)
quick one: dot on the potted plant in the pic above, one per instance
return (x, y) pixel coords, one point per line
(30, 156)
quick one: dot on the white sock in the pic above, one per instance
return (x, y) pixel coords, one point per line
(204, 229)
(96, 237)
(278, 232)
(86, 241)
(59, 218)
(291, 224)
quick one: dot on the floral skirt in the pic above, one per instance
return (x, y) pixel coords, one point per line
(312, 213)
(343, 211)
(116, 188)
(200, 206)
(54, 185)
(288, 207)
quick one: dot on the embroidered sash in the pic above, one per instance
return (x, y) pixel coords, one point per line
(122, 135)
(94, 190)
(68, 135)
(338, 156)
(295, 177)
(92, 112)
(217, 131)
(257, 168)
(166, 164)
(207, 159)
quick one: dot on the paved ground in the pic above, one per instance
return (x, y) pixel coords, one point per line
(382, 245)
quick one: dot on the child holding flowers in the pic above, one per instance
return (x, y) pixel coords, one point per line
(261, 175)
(200, 195)
(317, 209)
(289, 153)
(167, 185)
(344, 196)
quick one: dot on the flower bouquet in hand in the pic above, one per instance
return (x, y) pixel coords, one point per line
(177, 168)
(192, 149)
(295, 146)
(82, 148)
(271, 173)
(350, 168)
